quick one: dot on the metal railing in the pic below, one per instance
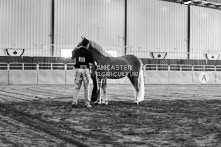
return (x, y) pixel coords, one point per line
(36, 66)
(70, 66)
(180, 67)
(4, 66)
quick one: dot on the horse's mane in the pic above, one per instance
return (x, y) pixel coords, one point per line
(99, 48)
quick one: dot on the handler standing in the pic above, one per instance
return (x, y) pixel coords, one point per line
(83, 58)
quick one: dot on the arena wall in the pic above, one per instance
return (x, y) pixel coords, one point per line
(62, 77)
(162, 27)
(99, 20)
(4, 77)
(22, 77)
(61, 73)
(25, 24)
(44, 27)
(205, 32)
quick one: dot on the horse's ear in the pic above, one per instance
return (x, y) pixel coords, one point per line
(83, 37)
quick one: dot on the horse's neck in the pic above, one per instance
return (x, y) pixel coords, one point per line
(98, 57)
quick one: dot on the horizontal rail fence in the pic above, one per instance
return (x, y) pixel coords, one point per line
(3, 66)
(62, 73)
(177, 67)
(182, 74)
(30, 66)
(58, 66)
(70, 66)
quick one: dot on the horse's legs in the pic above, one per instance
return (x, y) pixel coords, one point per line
(102, 84)
(104, 88)
(134, 81)
(99, 91)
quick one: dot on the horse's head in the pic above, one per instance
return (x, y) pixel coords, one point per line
(95, 49)
(84, 42)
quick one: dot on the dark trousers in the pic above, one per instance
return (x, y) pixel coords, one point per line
(94, 91)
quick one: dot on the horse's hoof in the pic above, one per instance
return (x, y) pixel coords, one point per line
(136, 102)
(97, 103)
(105, 102)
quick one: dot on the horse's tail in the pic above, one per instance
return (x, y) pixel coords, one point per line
(141, 92)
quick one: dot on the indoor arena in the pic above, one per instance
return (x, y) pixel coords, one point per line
(110, 73)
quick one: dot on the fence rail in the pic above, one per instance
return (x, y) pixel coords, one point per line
(61, 73)
(70, 66)
(178, 67)
(36, 66)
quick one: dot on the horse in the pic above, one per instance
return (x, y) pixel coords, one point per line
(109, 67)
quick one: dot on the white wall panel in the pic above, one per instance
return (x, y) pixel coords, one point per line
(156, 77)
(25, 24)
(51, 77)
(3, 77)
(22, 77)
(205, 31)
(155, 25)
(218, 77)
(99, 20)
(211, 77)
(183, 77)
(69, 77)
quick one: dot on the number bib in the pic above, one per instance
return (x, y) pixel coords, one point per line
(81, 59)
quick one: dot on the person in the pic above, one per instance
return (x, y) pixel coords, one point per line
(83, 59)
(94, 94)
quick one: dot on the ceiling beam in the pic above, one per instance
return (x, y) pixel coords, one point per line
(201, 3)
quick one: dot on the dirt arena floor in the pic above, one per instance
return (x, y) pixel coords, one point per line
(171, 115)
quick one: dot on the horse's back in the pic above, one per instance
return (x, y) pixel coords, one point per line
(134, 60)
(129, 57)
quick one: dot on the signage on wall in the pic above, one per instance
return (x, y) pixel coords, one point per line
(15, 52)
(204, 77)
(212, 56)
(158, 55)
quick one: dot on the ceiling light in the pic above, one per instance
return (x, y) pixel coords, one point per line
(186, 2)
